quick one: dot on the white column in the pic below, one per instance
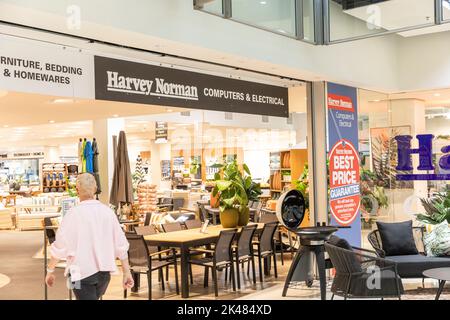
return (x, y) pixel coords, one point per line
(317, 155)
(103, 131)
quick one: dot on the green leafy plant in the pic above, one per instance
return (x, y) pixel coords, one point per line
(235, 188)
(437, 209)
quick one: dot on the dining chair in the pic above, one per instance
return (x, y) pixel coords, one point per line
(219, 258)
(193, 224)
(143, 261)
(148, 218)
(149, 230)
(243, 251)
(268, 218)
(265, 247)
(171, 227)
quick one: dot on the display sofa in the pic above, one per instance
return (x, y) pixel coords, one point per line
(410, 265)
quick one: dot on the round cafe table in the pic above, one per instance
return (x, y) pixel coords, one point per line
(440, 274)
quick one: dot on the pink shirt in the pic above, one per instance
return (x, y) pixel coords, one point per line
(90, 238)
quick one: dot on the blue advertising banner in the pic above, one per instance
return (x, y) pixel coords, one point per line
(343, 156)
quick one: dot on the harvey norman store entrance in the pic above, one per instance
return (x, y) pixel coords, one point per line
(63, 113)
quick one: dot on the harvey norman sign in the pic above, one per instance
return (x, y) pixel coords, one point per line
(425, 153)
(118, 80)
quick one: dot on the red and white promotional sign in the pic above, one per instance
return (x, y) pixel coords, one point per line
(344, 182)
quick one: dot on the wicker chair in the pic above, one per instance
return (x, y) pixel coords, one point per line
(361, 273)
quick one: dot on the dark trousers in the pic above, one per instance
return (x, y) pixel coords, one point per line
(93, 287)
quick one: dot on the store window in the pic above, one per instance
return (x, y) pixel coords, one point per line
(382, 118)
(308, 21)
(352, 19)
(215, 6)
(446, 10)
(278, 16)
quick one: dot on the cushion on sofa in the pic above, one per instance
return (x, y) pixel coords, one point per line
(413, 266)
(397, 238)
(437, 241)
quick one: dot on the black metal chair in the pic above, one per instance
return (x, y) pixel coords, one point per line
(143, 261)
(361, 273)
(243, 251)
(266, 247)
(193, 224)
(268, 218)
(219, 258)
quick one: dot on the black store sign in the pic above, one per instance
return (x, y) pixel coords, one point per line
(124, 81)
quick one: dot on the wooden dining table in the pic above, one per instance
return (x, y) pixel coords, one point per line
(184, 240)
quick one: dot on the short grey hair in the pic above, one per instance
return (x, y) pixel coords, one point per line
(86, 185)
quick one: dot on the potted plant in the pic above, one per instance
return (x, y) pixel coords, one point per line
(232, 194)
(437, 209)
(373, 197)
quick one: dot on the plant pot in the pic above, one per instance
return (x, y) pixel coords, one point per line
(214, 201)
(229, 218)
(244, 217)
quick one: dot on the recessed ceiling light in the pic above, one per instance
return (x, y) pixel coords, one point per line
(51, 121)
(5, 126)
(263, 2)
(115, 115)
(62, 101)
(169, 110)
(437, 94)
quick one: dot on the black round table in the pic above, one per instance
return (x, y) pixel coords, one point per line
(440, 274)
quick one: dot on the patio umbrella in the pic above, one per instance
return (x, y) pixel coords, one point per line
(122, 188)
(95, 165)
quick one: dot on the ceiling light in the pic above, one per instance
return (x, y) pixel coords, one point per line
(115, 115)
(437, 94)
(5, 126)
(51, 121)
(3, 93)
(169, 110)
(263, 2)
(62, 101)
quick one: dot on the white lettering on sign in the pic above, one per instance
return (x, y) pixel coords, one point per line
(124, 84)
